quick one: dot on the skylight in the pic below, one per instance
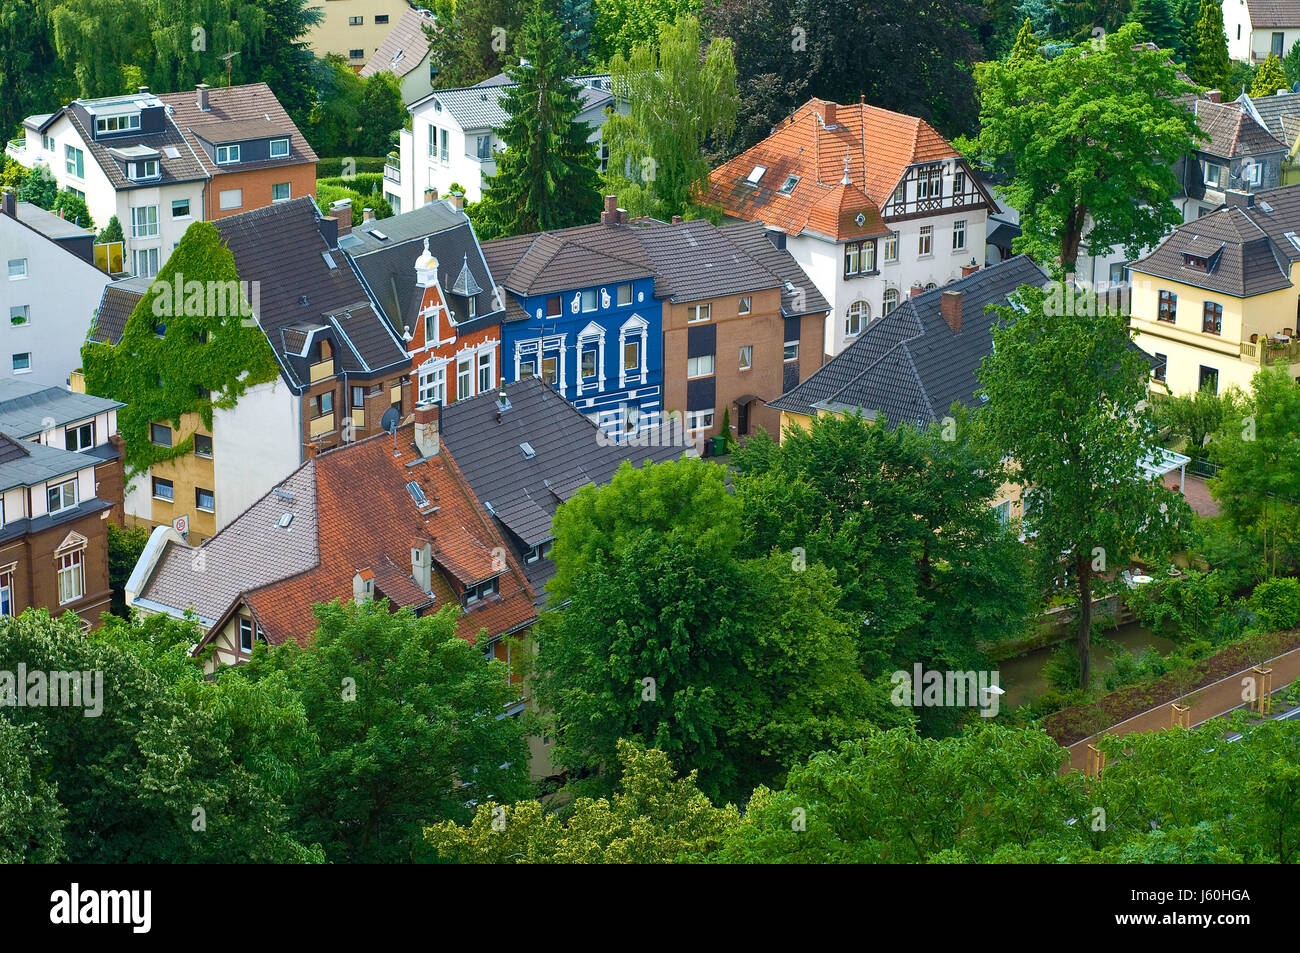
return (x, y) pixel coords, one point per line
(285, 520)
(756, 174)
(1293, 239)
(788, 185)
(378, 234)
(528, 450)
(329, 260)
(417, 494)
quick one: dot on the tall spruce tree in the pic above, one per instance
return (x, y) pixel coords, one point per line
(1160, 23)
(1207, 61)
(1269, 79)
(547, 176)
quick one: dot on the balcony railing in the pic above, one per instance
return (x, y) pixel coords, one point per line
(322, 370)
(320, 425)
(16, 147)
(1268, 351)
(393, 174)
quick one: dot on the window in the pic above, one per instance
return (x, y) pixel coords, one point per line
(930, 182)
(745, 305)
(203, 446)
(550, 370)
(859, 258)
(1160, 367)
(280, 192)
(17, 268)
(746, 357)
(433, 384)
(959, 235)
(701, 366)
(1213, 174)
(1209, 379)
(71, 580)
(80, 438)
(755, 175)
(699, 420)
(230, 198)
(589, 363)
(554, 306)
(1276, 44)
(464, 378)
(624, 295)
(1254, 172)
(958, 182)
(279, 148)
(891, 247)
(442, 146)
(483, 146)
(117, 123)
(484, 589)
(891, 300)
(589, 300)
(322, 404)
(20, 314)
(246, 633)
(358, 397)
(22, 362)
(631, 356)
(160, 435)
(856, 317)
(925, 244)
(485, 375)
(1167, 310)
(49, 143)
(356, 21)
(144, 221)
(75, 162)
(698, 312)
(145, 169)
(6, 593)
(1003, 510)
(227, 154)
(62, 496)
(791, 352)
(381, 18)
(1212, 318)
(180, 208)
(145, 262)
(540, 551)
(788, 185)
(432, 132)
(205, 500)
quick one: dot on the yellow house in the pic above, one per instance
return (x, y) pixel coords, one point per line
(1219, 298)
(354, 29)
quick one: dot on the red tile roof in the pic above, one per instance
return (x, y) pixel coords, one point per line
(818, 143)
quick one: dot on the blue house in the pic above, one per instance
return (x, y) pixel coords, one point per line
(581, 313)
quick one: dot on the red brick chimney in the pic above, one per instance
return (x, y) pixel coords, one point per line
(367, 215)
(950, 308)
(968, 270)
(610, 215)
(426, 428)
(915, 290)
(1214, 96)
(677, 219)
(828, 114)
(456, 200)
(341, 210)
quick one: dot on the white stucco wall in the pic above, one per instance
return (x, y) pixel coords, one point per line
(255, 446)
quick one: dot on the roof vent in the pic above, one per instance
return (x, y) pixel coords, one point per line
(284, 494)
(528, 450)
(285, 520)
(303, 301)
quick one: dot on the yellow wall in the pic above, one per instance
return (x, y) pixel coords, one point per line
(336, 35)
(186, 473)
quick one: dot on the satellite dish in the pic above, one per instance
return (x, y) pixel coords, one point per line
(389, 421)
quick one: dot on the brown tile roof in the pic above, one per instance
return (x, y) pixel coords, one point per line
(407, 38)
(116, 305)
(253, 103)
(1273, 14)
(877, 144)
(1230, 130)
(184, 166)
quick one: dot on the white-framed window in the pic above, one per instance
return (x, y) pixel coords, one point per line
(624, 295)
(464, 377)
(588, 362)
(746, 356)
(590, 300)
(486, 371)
(144, 221)
(205, 500)
(929, 182)
(444, 154)
(230, 198)
(483, 146)
(280, 192)
(538, 552)
(145, 262)
(631, 357)
(891, 300)
(550, 369)
(160, 435)
(791, 352)
(696, 313)
(144, 169)
(856, 317)
(356, 21)
(859, 258)
(471, 306)
(20, 315)
(279, 148)
(48, 142)
(433, 383)
(163, 489)
(431, 135)
(698, 421)
(1003, 510)
(745, 305)
(80, 438)
(117, 123)
(203, 446)
(17, 268)
(958, 182)
(484, 589)
(227, 154)
(6, 593)
(22, 362)
(61, 496)
(701, 366)
(1213, 174)
(74, 161)
(890, 251)
(959, 234)
(71, 578)
(180, 208)
(245, 634)
(925, 243)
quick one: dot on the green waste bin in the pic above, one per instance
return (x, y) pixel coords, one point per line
(719, 445)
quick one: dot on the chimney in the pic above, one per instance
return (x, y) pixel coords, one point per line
(426, 428)
(677, 219)
(422, 564)
(828, 116)
(341, 210)
(968, 270)
(456, 200)
(430, 196)
(142, 90)
(915, 290)
(1235, 198)
(610, 215)
(367, 215)
(950, 308)
(329, 230)
(363, 586)
(201, 97)
(1214, 95)
(9, 203)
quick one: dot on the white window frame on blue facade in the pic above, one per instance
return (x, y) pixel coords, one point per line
(633, 326)
(592, 334)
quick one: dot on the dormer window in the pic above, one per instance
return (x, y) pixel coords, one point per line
(788, 185)
(148, 169)
(227, 154)
(482, 591)
(111, 124)
(1196, 261)
(279, 149)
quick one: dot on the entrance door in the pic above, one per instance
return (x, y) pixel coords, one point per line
(742, 419)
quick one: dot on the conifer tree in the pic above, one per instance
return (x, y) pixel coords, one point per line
(1207, 61)
(1269, 79)
(1026, 47)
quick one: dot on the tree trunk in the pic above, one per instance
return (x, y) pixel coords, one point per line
(1071, 239)
(1083, 569)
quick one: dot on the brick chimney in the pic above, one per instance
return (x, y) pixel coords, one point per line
(422, 564)
(430, 196)
(677, 219)
(915, 290)
(1214, 95)
(142, 90)
(950, 308)
(426, 428)
(1236, 198)
(829, 114)
(9, 203)
(367, 215)
(456, 200)
(341, 209)
(328, 226)
(968, 270)
(610, 215)
(201, 97)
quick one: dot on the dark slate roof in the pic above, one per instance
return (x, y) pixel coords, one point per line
(1279, 113)
(798, 294)
(1273, 14)
(234, 112)
(695, 260)
(524, 493)
(404, 48)
(579, 257)
(116, 305)
(388, 265)
(1247, 249)
(30, 409)
(1231, 130)
(184, 166)
(281, 247)
(26, 463)
(909, 366)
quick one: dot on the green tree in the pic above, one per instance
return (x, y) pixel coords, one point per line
(1269, 78)
(1291, 65)
(31, 818)
(577, 18)
(1160, 23)
(1258, 448)
(29, 73)
(1092, 136)
(39, 187)
(677, 99)
(382, 114)
(547, 177)
(1066, 402)
(112, 232)
(479, 40)
(335, 118)
(654, 817)
(1207, 58)
(622, 25)
(1026, 47)
(1195, 417)
(409, 727)
(74, 209)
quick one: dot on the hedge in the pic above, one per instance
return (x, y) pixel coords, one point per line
(329, 168)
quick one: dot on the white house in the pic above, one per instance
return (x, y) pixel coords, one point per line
(1256, 28)
(48, 293)
(873, 204)
(454, 139)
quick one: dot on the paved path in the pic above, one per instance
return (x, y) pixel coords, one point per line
(1196, 493)
(1213, 700)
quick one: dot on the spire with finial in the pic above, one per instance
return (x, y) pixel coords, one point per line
(426, 268)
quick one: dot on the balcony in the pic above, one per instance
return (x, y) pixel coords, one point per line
(322, 370)
(17, 150)
(393, 174)
(358, 417)
(321, 425)
(1268, 351)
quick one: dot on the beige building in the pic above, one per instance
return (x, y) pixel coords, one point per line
(355, 29)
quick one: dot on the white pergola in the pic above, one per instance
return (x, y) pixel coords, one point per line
(1163, 462)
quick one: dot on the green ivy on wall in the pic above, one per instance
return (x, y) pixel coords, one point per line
(183, 353)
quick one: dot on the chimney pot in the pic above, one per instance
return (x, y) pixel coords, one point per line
(456, 200)
(430, 196)
(915, 290)
(677, 219)
(426, 428)
(201, 96)
(950, 308)
(367, 215)
(1214, 95)
(968, 270)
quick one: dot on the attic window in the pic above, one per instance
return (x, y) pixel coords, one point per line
(527, 449)
(417, 494)
(1293, 239)
(329, 260)
(757, 174)
(1195, 261)
(788, 185)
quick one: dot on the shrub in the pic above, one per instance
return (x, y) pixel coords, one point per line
(366, 183)
(1180, 608)
(325, 194)
(1277, 603)
(1061, 670)
(327, 168)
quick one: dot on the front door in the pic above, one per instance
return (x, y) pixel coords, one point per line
(742, 419)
